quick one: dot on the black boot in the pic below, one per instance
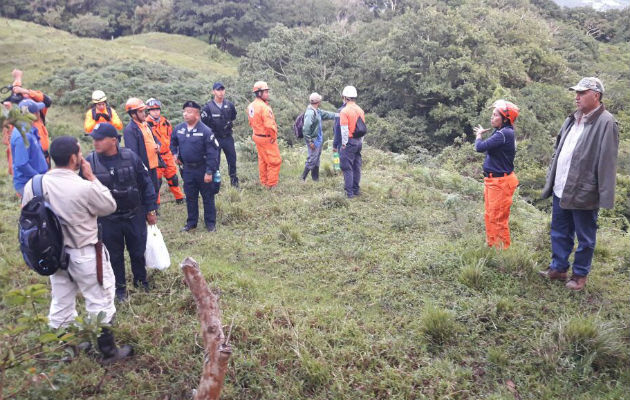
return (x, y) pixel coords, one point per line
(305, 174)
(315, 173)
(234, 181)
(107, 346)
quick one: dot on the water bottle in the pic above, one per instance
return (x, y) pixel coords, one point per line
(217, 177)
(336, 161)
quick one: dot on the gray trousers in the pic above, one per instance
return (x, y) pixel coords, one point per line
(312, 160)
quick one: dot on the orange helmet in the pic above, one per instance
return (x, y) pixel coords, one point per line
(134, 104)
(259, 86)
(506, 108)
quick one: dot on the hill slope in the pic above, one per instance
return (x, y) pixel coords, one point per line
(389, 296)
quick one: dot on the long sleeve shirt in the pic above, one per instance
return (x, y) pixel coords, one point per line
(77, 202)
(312, 128)
(500, 149)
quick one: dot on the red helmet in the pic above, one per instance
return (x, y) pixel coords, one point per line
(506, 108)
(134, 104)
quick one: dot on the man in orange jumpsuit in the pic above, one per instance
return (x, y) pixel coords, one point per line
(100, 112)
(162, 130)
(265, 135)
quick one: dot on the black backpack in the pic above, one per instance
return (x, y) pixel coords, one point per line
(298, 126)
(40, 234)
(360, 130)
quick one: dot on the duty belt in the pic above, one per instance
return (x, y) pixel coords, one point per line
(194, 165)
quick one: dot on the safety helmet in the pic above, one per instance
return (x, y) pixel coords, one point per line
(98, 96)
(260, 86)
(153, 104)
(134, 104)
(506, 108)
(350, 92)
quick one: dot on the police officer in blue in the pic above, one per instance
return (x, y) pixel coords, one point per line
(219, 115)
(197, 152)
(122, 171)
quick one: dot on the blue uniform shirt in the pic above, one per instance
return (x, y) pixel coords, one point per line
(196, 146)
(27, 161)
(500, 150)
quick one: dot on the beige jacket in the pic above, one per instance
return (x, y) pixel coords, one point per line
(77, 202)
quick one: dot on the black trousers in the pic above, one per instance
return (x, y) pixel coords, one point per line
(227, 145)
(132, 232)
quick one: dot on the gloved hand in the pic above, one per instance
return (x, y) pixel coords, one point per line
(104, 116)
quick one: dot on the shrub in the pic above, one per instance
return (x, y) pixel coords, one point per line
(471, 274)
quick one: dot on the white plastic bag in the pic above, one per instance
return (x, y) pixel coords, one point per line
(156, 253)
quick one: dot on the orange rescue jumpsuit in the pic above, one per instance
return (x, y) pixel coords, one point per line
(265, 136)
(162, 129)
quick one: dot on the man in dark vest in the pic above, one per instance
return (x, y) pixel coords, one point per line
(219, 114)
(122, 171)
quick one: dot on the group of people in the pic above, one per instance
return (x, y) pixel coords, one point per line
(581, 178)
(116, 193)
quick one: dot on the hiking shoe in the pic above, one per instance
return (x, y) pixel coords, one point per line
(211, 228)
(576, 282)
(554, 275)
(188, 228)
(144, 285)
(121, 295)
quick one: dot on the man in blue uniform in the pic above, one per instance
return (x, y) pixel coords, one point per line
(197, 152)
(122, 171)
(219, 114)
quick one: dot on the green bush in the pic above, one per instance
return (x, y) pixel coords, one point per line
(438, 325)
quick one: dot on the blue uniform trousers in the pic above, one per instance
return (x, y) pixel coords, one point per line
(565, 226)
(227, 145)
(350, 163)
(193, 185)
(132, 231)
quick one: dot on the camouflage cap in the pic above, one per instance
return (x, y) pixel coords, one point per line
(590, 83)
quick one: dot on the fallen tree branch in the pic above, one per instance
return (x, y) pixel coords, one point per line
(217, 349)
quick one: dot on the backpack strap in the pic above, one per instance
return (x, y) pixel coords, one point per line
(38, 189)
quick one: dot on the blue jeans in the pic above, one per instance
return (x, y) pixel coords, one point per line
(193, 185)
(350, 162)
(565, 226)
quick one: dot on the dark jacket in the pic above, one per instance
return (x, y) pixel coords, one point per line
(219, 119)
(593, 172)
(196, 146)
(500, 150)
(337, 130)
(134, 140)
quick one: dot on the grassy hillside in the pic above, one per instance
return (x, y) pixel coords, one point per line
(391, 295)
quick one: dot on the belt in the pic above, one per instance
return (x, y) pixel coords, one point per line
(495, 174)
(255, 134)
(194, 165)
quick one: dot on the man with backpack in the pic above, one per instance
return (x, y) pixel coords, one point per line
(352, 123)
(100, 111)
(313, 135)
(78, 203)
(219, 115)
(122, 171)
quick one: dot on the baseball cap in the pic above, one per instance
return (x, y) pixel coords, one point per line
(103, 130)
(193, 104)
(31, 105)
(217, 85)
(589, 83)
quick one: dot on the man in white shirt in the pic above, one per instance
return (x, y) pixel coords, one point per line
(78, 203)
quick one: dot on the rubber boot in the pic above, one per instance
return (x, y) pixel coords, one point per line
(315, 173)
(107, 346)
(305, 174)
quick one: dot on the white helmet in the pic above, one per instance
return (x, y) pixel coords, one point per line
(98, 96)
(350, 92)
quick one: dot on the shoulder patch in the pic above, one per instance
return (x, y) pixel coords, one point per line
(250, 111)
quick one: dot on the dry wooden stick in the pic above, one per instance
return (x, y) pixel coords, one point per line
(217, 350)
